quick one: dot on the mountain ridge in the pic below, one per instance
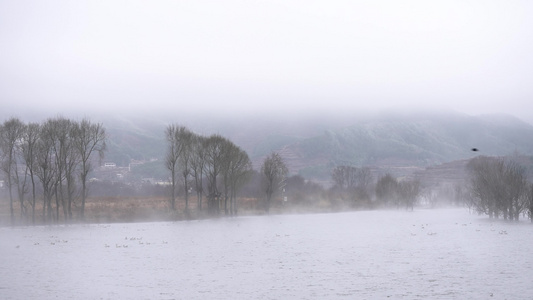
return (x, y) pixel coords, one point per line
(397, 142)
(409, 141)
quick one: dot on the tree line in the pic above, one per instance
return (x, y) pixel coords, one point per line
(499, 188)
(215, 168)
(193, 158)
(357, 187)
(51, 161)
(496, 186)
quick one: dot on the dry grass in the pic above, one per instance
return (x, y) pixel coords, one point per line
(110, 209)
(125, 209)
(100, 210)
(146, 209)
(130, 209)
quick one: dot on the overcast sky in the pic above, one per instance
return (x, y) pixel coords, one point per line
(151, 56)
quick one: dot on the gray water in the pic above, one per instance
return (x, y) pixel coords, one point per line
(437, 254)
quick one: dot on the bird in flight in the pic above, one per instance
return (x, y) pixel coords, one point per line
(475, 149)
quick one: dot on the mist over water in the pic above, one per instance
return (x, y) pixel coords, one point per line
(436, 254)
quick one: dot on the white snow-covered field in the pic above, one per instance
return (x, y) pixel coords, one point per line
(425, 254)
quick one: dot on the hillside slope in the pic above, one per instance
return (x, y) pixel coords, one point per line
(398, 143)
(409, 141)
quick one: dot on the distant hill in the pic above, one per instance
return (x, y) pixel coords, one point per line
(402, 144)
(133, 138)
(406, 143)
(398, 143)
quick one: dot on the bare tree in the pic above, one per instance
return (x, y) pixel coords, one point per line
(214, 154)
(387, 190)
(351, 183)
(197, 157)
(240, 171)
(497, 187)
(530, 201)
(89, 139)
(516, 190)
(29, 150)
(228, 153)
(344, 177)
(11, 132)
(197, 162)
(46, 167)
(274, 173)
(365, 176)
(408, 192)
(21, 173)
(50, 154)
(174, 134)
(484, 184)
(64, 157)
(235, 168)
(185, 161)
(72, 163)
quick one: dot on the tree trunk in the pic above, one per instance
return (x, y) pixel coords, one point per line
(226, 212)
(186, 195)
(57, 206)
(69, 196)
(44, 207)
(50, 209)
(199, 200)
(173, 191)
(234, 202)
(33, 197)
(267, 204)
(63, 204)
(11, 199)
(83, 195)
(22, 211)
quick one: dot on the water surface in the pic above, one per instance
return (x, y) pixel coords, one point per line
(437, 254)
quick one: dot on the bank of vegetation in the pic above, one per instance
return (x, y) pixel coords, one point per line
(46, 167)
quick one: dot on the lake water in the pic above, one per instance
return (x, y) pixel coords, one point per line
(437, 254)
